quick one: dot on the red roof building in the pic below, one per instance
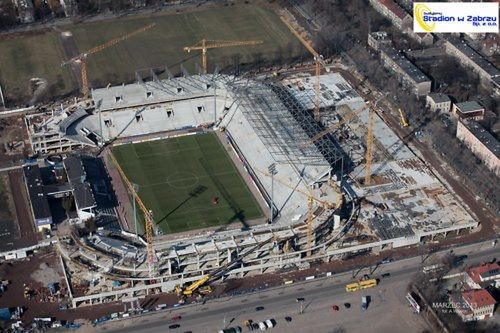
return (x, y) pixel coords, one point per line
(481, 276)
(392, 11)
(474, 305)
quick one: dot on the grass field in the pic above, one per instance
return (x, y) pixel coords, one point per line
(179, 177)
(41, 55)
(162, 45)
(33, 56)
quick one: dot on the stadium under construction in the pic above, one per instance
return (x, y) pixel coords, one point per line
(311, 191)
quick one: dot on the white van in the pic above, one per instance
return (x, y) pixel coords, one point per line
(262, 326)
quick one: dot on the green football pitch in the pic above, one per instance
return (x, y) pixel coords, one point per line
(179, 178)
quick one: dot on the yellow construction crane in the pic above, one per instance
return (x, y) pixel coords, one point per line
(205, 44)
(333, 127)
(82, 57)
(310, 202)
(402, 119)
(369, 147)
(151, 259)
(318, 59)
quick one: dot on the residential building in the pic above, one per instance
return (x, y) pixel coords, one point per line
(425, 38)
(483, 275)
(437, 102)
(473, 305)
(490, 46)
(469, 57)
(40, 210)
(409, 74)
(378, 38)
(393, 12)
(481, 143)
(468, 110)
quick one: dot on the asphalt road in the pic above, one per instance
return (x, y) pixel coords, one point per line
(388, 310)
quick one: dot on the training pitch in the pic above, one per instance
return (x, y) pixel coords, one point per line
(188, 182)
(24, 57)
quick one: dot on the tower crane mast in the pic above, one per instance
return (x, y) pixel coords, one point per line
(148, 216)
(81, 59)
(318, 62)
(206, 44)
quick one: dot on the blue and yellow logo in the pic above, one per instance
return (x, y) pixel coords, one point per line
(418, 13)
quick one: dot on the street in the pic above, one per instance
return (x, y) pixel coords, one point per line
(388, 310)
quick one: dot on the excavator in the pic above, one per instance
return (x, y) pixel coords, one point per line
(200, 286)
(189, 290)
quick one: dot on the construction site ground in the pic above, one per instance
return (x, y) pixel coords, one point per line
(13, 133)
(36, 272)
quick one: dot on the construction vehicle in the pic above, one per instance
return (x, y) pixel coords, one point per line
(206, 44)
(402, 119)
(81, 59)
(318, 63)
(199, 286)
(192, 287)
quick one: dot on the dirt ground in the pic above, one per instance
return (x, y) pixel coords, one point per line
(13, 129)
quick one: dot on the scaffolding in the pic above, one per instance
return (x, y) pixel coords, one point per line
(284, 124)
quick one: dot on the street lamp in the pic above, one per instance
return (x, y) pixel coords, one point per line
(272, 170)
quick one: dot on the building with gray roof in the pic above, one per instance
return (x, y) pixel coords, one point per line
(469, 57)
(82, 192)
(409, 74)
(468, 110)
(40, 210)
(482, 144)
(438, 102)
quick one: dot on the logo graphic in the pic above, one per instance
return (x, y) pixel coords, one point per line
(455, 17)
(418, 13)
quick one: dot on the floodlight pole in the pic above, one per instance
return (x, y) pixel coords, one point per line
(272, 170)
(1, 97)
(215, 100)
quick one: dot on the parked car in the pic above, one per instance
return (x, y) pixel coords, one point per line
(174, 326)
(262, 326)
(259, 308)
(270, 323)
